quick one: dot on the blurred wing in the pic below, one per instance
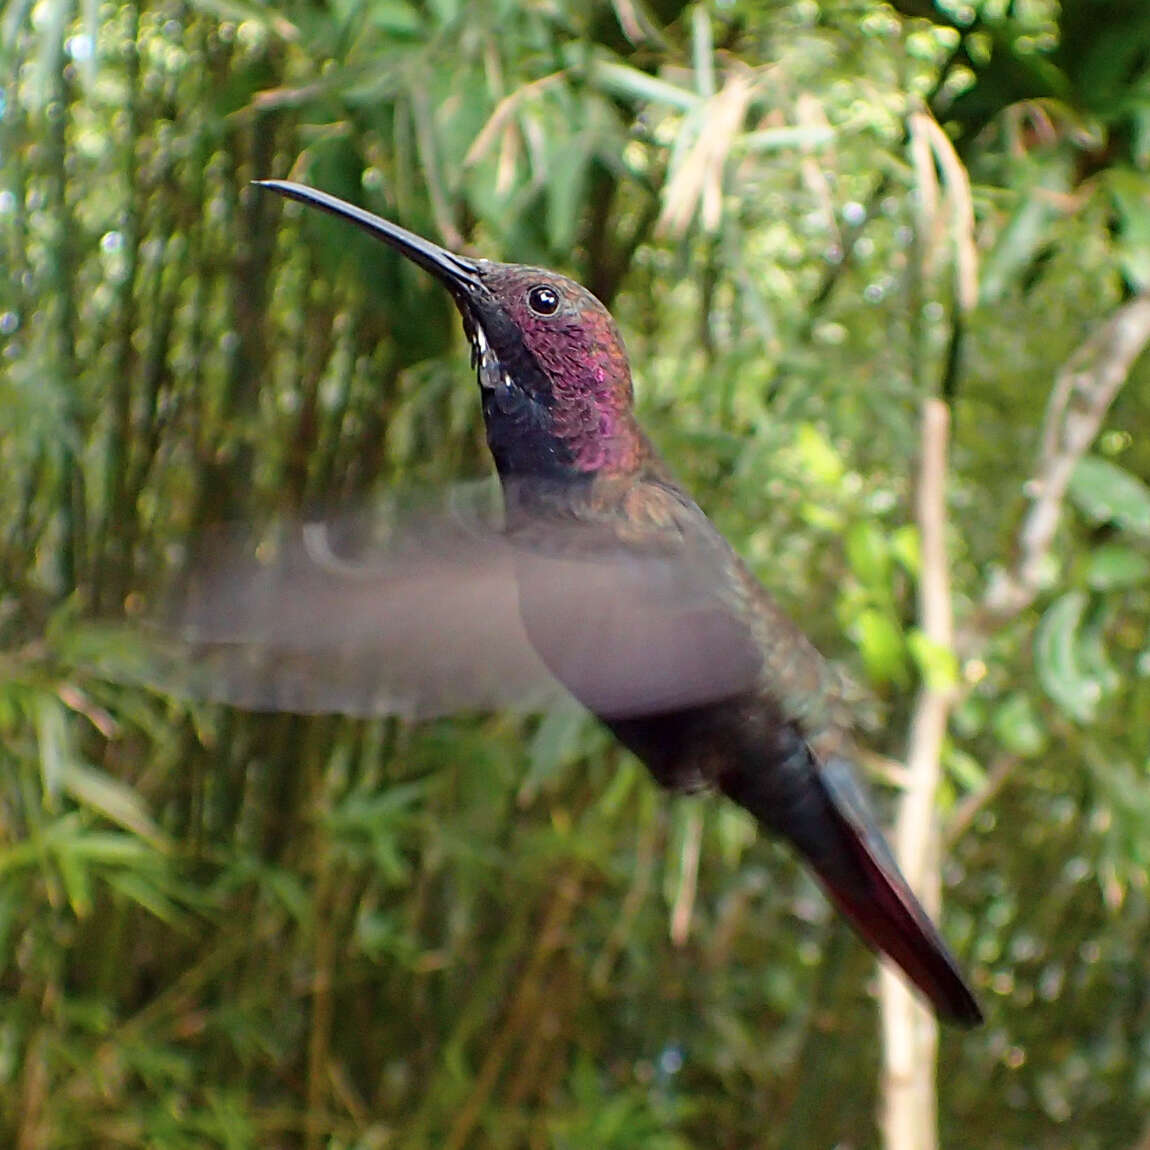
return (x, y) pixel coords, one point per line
(632, 632)
(326, 619)
(424, 614)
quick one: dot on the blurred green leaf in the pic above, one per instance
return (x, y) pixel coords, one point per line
(905, 547)
(1020, 242)
(558, 741)
(1017, 727)
(881, 644)
(375, 825)
(937, 665)
(869, 555)
(965, 769)
(1108, 494)
(817, 456)
(633, 84)
(1114, 565)
(116, 801)
(1063, 670)
(55, 743)
(736, 830)
(569, 158)
(1130, 192)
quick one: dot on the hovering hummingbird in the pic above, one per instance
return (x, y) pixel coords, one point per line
(603, 574)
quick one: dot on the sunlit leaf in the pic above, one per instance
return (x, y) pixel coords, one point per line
(817, 455)
(881, 644)
(906, 548)
(869, 555)
(632, 84)
(937, 664)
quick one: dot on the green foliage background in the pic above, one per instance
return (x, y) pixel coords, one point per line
(226, 930)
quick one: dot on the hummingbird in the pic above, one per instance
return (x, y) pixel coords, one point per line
(602, 574)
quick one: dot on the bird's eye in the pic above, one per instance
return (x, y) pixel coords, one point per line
(543, 300)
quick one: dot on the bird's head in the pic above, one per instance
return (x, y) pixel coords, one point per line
(552, 368)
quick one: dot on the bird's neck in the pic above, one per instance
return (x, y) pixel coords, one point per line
(567, 492)
(603, 441)
(568, 435)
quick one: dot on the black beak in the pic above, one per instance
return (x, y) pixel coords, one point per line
(458, 274)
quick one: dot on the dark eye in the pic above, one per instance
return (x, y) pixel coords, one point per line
(543, 300)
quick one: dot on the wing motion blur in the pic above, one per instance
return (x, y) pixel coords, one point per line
(419, 613)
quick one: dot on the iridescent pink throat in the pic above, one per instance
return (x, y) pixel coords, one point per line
(584, 360)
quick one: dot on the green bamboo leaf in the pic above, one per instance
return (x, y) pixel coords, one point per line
(628, 775)
(54, 741)
(395, 17)
(138, 888)
(784, 139)
(72, 866)
(115, 800)
(630, 83)
(736, 831)
(109, 848)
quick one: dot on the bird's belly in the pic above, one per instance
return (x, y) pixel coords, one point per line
(692, 748)
(743, 747)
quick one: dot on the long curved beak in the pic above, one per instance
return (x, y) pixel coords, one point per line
(458, 273)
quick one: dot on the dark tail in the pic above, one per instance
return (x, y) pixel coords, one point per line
(823, 812)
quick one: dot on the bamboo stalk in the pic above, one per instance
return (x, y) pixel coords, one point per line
(567, 890)
(110, 578)
(70, 489)
(910, 1032)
